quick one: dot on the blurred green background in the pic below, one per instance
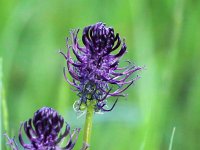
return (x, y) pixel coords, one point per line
(162, 35)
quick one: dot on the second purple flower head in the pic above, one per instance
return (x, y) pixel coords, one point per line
(43, 132)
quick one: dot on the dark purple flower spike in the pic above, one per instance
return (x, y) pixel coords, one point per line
(95, 70)
(44, 132)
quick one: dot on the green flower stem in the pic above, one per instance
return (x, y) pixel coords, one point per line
(88, 126)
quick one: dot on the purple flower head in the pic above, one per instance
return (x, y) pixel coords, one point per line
(44, 132)
(95, 72)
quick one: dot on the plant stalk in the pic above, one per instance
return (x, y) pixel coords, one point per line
(88, 126)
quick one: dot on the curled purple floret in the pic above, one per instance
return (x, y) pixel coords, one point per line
(95, 71)
(43, 132)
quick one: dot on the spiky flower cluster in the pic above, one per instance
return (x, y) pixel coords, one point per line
(95, 70)
(44, 132)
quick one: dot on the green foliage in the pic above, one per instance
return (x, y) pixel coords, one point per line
(162, 35)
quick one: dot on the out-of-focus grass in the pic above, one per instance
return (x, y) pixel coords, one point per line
(163, 36)
(1, 89)
(172, 138)
(4, 111)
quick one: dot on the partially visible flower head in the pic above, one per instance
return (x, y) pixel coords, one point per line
(95, 70)
(44, 132)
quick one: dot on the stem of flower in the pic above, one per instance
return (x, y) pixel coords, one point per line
(88, 126)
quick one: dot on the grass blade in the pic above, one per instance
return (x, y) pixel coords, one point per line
(172, 138)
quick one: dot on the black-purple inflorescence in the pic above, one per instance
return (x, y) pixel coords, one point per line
(44, 132)
(95, 72)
